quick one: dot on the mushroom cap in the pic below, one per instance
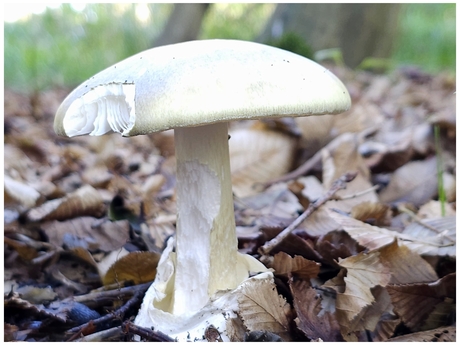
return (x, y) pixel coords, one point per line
(197, 83)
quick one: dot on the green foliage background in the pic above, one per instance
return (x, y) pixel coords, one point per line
(64, 46)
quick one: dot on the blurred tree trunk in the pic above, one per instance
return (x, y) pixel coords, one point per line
(359, 30)
(183, 24)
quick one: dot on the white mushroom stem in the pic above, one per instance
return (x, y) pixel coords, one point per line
(206, 242)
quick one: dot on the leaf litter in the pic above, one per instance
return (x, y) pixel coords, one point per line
(87, 218)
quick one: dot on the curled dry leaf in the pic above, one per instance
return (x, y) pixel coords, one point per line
(90, 233)
(261, 308)
(257, 156)
(138, 267)
(298, 266)
(363, 272)
(307, 303)
(335, 245)
(372, 315)
(415, 302)
(85, 201)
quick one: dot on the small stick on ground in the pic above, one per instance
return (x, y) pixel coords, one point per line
(316, 159)
(118, 314)
(93, 297)
(147, 334)
(337, 185)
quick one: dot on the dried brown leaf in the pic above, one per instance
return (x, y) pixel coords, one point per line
(420, 239)
(261, 308)
(433, 209)
(433, 237)
(139, 267)
(385, 328)
(307, 303)
(405, 265)
(342, 159)
(441, 334)
(88, 232)
(335, 245)
(85, 201)
(413, 303)
(285, 265)
(368, 236)
(363, 272)
(258, 156)
(414, 182)
(16, 192)
(373, 213)
(56, 310)
(25, 251)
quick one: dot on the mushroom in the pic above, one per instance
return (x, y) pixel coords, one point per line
(195, 88)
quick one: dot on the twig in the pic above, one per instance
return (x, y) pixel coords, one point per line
(316, 159)
(338, 184)
(355, 195)
(119, 313)
(419, 221)
(300, 171)
(111, 294)
(146, 333)
(101, 336)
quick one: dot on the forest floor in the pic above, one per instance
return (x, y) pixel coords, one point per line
(86, 218)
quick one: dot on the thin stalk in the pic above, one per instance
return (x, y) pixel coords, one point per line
(439, 165)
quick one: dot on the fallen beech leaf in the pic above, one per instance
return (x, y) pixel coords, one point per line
(373, 213)
(371, 237)
(139, 267)
(335, 245)
(342, 159)
(414, 302)
(108, 260)
(285, 265)
(441, 334)
(107, 236)
(405, 265)
(417, 237)
(316, 132)
(307, 303)
(363, 272)
(20, 193)
(371, 315)
(25, 251)
(261, 308)
(85, 255)
(258, 156)
(385, 328)
(433, 208)
(414, 182)
(85, 201)
(437, 238)
(56, 310)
